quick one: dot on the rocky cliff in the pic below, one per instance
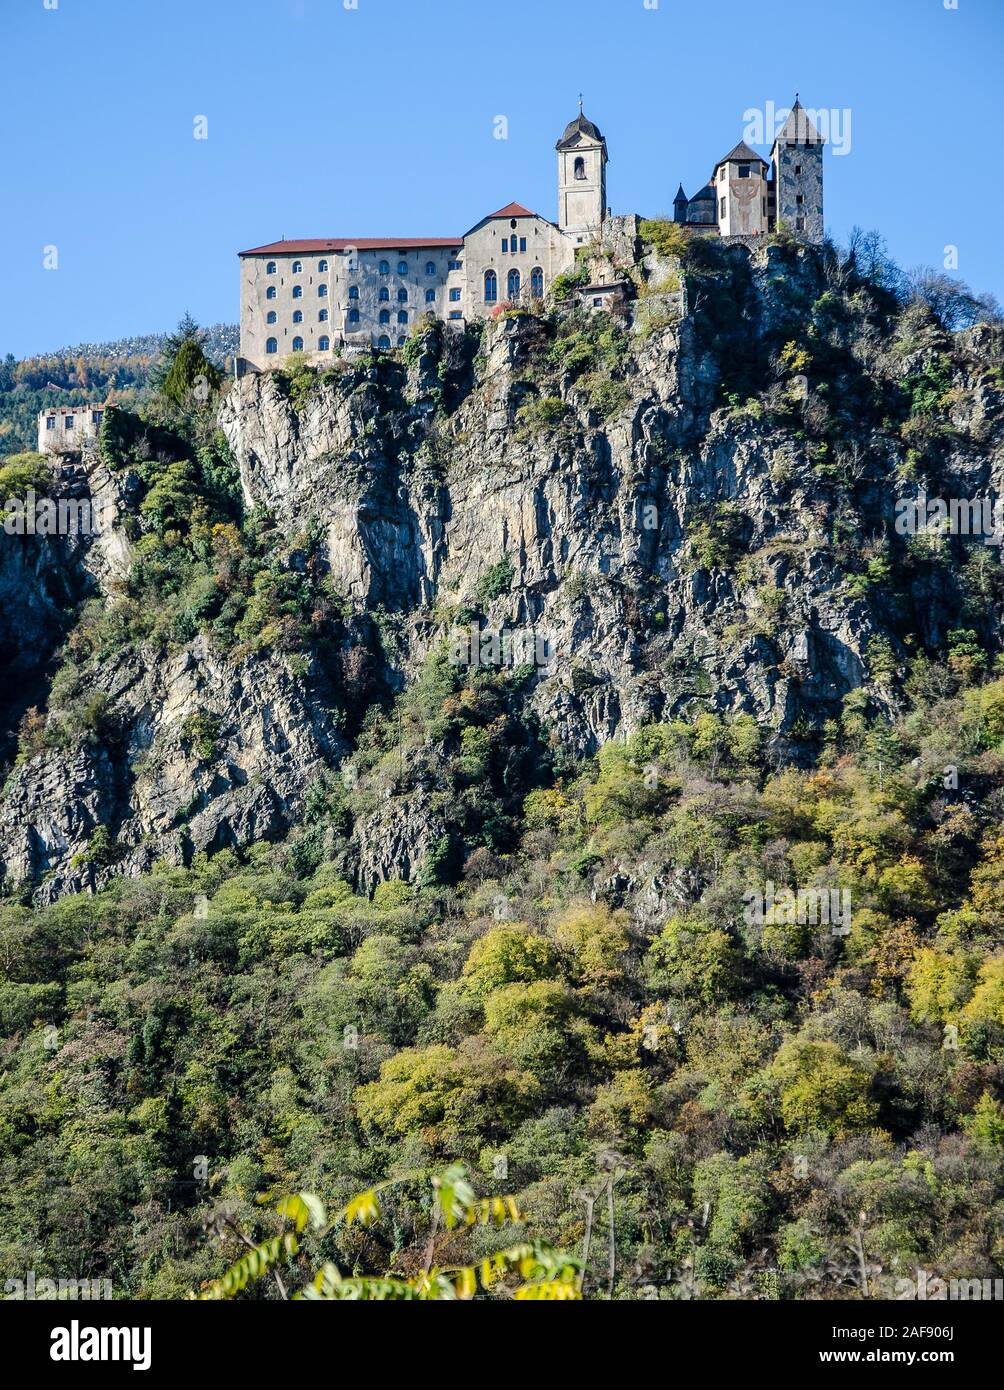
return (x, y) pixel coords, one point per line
(689, 504)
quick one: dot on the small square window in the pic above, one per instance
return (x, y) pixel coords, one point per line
(456, 314)
(455, 296)
(798, 168)
(598, 302)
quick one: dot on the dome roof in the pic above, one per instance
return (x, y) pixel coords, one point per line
(580, 126)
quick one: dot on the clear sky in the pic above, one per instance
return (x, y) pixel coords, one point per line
(378, 117)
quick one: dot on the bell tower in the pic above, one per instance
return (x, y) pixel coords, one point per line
(582, 179)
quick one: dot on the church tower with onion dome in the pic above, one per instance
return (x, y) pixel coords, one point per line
(582, 180)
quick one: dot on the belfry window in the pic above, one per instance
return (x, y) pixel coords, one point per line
(580, 168)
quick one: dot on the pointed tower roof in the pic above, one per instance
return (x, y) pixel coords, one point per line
(798, 129)
(681, 197)
(741, 152)
(580, 126)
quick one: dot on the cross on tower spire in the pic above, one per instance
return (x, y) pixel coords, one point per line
(580, 103)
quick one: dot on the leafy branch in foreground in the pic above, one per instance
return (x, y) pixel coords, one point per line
(543, 1274)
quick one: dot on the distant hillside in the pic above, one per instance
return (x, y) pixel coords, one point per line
(78, 374)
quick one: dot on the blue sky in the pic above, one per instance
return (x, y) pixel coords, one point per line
(379, 120)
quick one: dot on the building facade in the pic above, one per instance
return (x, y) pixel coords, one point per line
(747, 196)
(325, 296)
(66, 429)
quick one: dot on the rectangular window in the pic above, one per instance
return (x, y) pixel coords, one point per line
(522, 243)
(455, 296)
(721, 207)
(68, 422)
(799, 224)
(50, 424)
(744, 171)
(721, 176)
(798, 168)
(505, 245)
(95, 417)
(456, 265)
(799, 199)
(456, 314)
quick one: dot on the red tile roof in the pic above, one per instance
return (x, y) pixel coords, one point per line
(364, 243)
(512, 210)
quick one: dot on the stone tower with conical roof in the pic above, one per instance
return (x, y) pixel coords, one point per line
(582, 180)
(797, 157)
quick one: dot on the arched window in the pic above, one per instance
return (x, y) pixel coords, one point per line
(537, 282)
(297, 344)
(270, 317)
(271, 346)
(491, 287)
(297, 315)
(403, 316)
(297, 291)
(353, 291)
(270, 268)
(322, 267)
(353, 316)
(385, 267)
(322, 317)
(402, 267)
(385, 316)
(322, 291)
(402, 296)
(430, 296)
(401, 340)
(430, 267)
(384, 294)
(323, 343)
(384, 341)
(297, 267)
(580, 168)
(270, 292)
(512, 285)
